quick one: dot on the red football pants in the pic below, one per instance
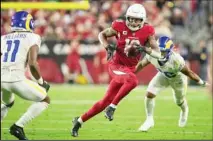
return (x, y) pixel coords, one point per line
(123, 81)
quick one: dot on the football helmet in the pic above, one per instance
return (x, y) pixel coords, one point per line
(135, 17)
(22, 21)
(166, 45)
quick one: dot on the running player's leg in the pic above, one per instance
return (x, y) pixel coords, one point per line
(107, 99)
(29, 90)
(98, 106)
(129, 81)
(158, 83)
(179, 88)
(8, 100)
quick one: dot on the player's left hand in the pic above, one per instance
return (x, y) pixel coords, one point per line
(45, 85)
(110, 50)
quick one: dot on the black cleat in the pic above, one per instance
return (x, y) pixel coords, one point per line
(76, 126)
(18, 132)
(109, 112)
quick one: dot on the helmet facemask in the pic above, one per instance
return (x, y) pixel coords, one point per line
(165, 54)
(134, 24)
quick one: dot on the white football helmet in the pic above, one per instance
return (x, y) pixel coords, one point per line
(135, 17)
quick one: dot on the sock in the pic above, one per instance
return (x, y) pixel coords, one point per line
(4, 111)
(113, 106)
(80, 120)
(33, 111)
(149, 106)
(184, 105)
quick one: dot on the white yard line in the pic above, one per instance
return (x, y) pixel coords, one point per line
(122, 130)
(106, 122)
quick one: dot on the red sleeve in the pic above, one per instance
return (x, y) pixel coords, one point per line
(151, 30)
(118, 25)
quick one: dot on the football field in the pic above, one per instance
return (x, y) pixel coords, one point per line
(68, 101)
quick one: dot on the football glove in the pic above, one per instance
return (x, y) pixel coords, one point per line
(140, 49)
(110, 50)
(45, 85)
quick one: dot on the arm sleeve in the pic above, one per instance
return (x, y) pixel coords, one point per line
(151, 31)
(117, 25)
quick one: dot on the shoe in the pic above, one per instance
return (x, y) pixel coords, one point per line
(76, 126)
(183, 118)
(18, 132)
(109, 112)
(149, 123)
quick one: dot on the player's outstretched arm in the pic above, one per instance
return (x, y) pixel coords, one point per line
(154, 50)
(34, 67)
(141, 65)
(103, 35)
(188, 72)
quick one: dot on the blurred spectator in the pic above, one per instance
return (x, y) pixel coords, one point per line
(100, 64)
(163, 29)
(177, 18)
(72, 68)
(203, 59)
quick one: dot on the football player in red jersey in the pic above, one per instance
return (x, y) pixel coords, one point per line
(132, 32)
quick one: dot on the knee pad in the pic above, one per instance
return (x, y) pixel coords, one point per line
(10, 105)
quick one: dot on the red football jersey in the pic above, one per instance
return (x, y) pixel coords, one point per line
(127, 37)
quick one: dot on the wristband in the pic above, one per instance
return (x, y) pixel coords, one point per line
(40, 80)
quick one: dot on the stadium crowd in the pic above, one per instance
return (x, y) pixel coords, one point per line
(188, 23)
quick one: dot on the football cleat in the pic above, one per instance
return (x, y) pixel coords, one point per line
(109, 112)
(76, 126)
(149, 123)
(18, 132)
(183, 118)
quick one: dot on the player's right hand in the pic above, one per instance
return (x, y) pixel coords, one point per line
(206, 84)
(110, 50)
(45, 85)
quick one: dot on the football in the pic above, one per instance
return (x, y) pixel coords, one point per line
(132, 51)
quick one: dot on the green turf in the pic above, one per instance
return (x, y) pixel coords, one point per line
(70, 101)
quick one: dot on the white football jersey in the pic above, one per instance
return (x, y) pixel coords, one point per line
(172, 67)
(14, 49)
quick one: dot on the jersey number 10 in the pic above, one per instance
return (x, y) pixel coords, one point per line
(15, 50)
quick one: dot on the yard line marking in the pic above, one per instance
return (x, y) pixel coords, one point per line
(121, 130)
(45, 129)
(106, 122)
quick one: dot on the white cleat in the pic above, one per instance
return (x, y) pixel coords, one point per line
(183, 118)
(147, 125)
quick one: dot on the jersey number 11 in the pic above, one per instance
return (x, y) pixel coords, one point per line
(15, 50)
